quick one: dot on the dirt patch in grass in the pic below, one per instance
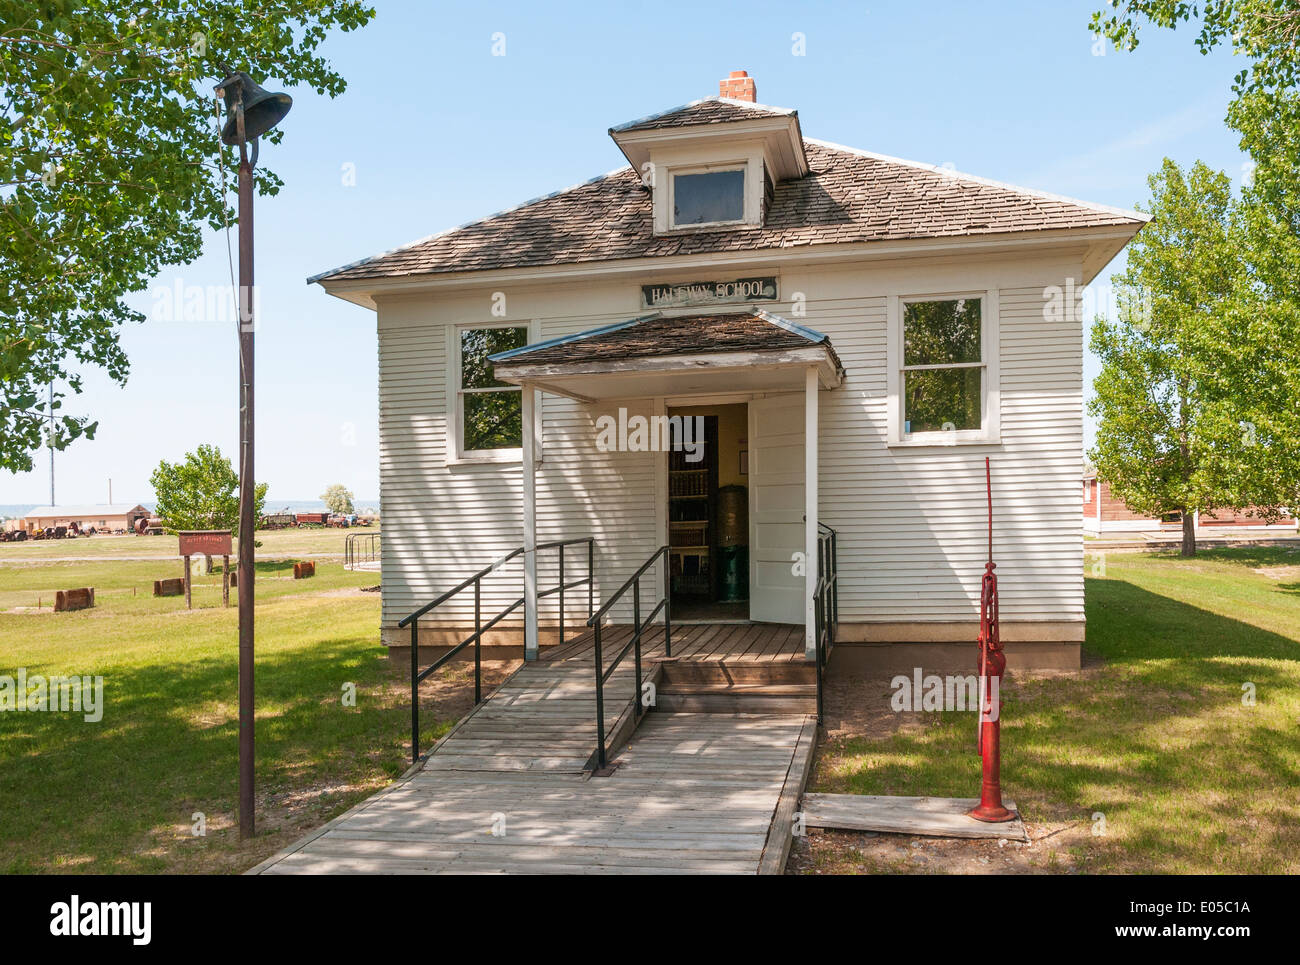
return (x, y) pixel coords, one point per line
(858, 708)
(859, 705)
(1279, 574)
(343, 591)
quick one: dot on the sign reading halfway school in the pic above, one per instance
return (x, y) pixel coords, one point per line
(684, 294)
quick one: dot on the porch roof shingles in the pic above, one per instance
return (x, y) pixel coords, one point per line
(848, 196)
(656, 336)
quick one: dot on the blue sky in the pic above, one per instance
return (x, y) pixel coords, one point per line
(439, 132)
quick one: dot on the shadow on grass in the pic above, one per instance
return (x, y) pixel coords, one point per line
(1127, 622)
(1243, 555)
(167, 747)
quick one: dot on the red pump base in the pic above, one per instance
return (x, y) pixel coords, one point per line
(990, 808)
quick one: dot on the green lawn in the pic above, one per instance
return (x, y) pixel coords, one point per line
(275, 543)
(119, 795)
(1153, 734)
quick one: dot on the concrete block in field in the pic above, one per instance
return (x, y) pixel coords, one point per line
(302, 571)
(173, 587)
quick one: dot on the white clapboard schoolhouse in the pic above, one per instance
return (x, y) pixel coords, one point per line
(739, 343)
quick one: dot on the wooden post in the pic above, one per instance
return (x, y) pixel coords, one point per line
(530, 523)
(188, 606)
(225, 581)
(810, 512)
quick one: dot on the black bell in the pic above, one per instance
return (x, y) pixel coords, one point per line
(262, 109)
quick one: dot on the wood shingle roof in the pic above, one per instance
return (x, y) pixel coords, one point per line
(849, 196)
(656, 336)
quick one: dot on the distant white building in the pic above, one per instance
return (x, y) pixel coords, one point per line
(107, 516)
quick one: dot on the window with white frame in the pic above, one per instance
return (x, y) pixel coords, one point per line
(944, 369)
(708, 197)
(489, 411)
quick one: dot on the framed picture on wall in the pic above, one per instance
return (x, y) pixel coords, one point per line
(744, 462)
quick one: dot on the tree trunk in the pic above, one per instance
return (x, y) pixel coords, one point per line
(1189, 533)
(207, 565)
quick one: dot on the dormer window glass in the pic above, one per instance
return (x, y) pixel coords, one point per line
(708, 197)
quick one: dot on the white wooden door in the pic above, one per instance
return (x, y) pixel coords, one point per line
(776, 508)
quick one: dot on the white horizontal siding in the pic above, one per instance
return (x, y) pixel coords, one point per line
(442, 523)
(911, 521)
(912, 524)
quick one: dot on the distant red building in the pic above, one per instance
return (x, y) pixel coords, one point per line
(1106, 513)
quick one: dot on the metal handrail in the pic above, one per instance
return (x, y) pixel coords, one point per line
(826, 605)
(634, 644)
(418, 676)
(350, 554)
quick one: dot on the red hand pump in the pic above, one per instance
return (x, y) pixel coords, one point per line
(992, 664)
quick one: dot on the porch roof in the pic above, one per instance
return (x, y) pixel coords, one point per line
(674, 355)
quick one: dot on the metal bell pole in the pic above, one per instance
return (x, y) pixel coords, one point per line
(252, 112)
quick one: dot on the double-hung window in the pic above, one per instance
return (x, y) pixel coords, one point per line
(944, 370)
(488, 412)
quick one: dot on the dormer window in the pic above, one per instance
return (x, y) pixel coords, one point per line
(694, 193)
(715, 164)
(708, 197)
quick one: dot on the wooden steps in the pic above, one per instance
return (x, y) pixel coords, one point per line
(722, 672)
(725, 687)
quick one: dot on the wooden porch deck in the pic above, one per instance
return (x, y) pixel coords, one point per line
(507, 790)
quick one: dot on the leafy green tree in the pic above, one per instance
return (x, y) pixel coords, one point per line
(338, 499)
(1262, 370)
(1266, 105)
(942, 332)
(1169, 438)
(1262, 373)
(109, 148)
(201, 492)
(493, 419)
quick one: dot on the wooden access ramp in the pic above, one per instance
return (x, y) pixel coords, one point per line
(509, 789)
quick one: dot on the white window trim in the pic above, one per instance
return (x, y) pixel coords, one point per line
(990, 431)
(456, 454)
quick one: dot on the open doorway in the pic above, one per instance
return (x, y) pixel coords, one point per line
(708, 517)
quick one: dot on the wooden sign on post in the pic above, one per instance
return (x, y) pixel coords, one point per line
(206, 542)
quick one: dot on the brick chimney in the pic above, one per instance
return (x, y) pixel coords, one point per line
(738, 87)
